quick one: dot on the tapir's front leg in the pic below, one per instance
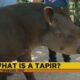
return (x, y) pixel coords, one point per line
(3, 76)
(27, 58)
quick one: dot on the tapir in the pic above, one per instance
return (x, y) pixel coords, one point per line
(26, 26)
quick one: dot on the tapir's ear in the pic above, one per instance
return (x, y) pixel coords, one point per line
(48, 12)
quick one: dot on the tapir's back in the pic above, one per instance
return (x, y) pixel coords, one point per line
(26, 15)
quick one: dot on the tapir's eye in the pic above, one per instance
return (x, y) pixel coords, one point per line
(58, 33)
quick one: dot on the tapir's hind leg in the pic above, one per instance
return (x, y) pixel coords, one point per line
(27, 58)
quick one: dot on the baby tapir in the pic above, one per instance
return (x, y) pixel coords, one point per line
(25, 26)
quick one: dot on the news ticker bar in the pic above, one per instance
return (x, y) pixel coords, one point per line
(39, 66)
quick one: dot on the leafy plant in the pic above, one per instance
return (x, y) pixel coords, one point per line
(22, 1)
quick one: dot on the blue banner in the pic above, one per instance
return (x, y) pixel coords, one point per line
(57, 3)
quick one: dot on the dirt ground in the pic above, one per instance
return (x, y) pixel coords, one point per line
(41, 54)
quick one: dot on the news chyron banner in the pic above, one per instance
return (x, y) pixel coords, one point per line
(39, 66)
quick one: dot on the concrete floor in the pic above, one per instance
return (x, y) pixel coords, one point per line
(37, 55)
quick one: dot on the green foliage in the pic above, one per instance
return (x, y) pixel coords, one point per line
(75, 11)
(22, 1)
(25, 0)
